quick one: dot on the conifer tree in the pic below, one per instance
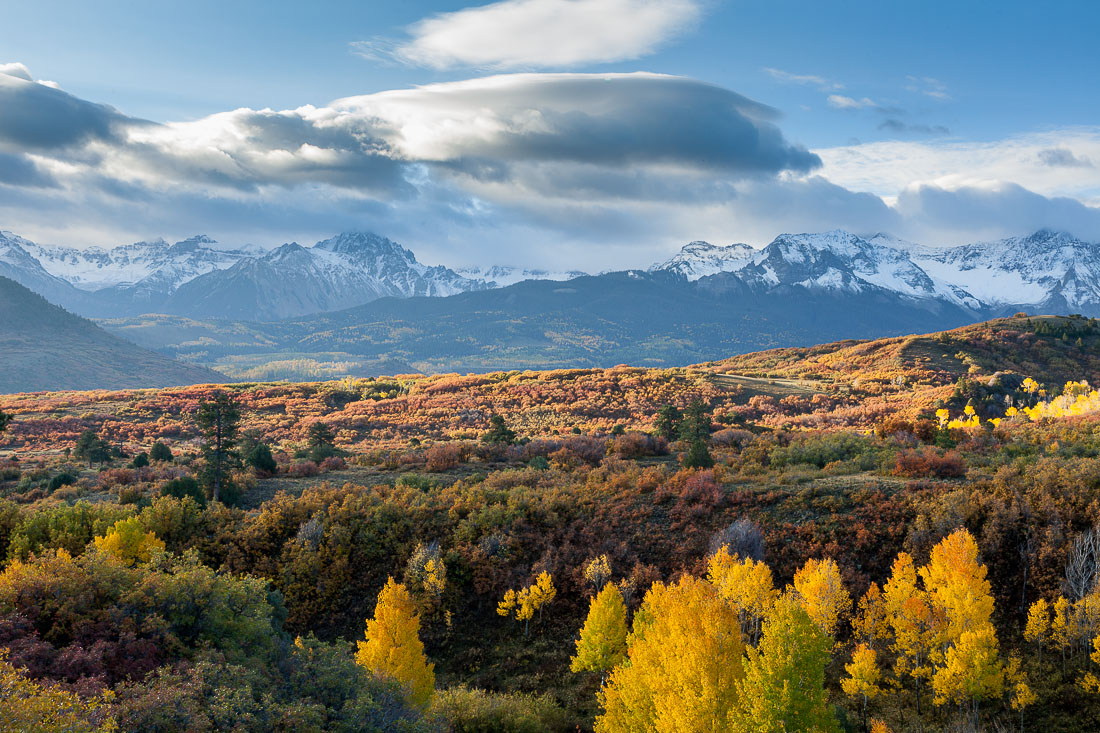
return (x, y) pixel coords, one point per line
(602, 643)
(219, 419)
(392, 647)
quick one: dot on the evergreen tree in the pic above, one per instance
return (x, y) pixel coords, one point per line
(696, 423)
(499, 432)
(259, 458)
(141, 460)
(321, 441)
(697, 456)
(91, 448)
(160, 452)
(5, 420)
(219, 419)
(667, 423)
(392, 647)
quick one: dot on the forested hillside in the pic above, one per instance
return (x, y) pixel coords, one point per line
(43, 346)
(885, 535)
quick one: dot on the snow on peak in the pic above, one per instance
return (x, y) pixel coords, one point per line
(698, 259)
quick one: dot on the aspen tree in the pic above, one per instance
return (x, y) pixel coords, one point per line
(602, 643)
(392, 647)
(820, 590)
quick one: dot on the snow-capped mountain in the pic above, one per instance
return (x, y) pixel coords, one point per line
(154, 265)
(17, 263)
(1044, 271)
(344, 271)
(500, 276)
(698, 259)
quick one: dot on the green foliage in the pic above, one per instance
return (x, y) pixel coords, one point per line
(821, 449)
(5, 420)
(219, 419)
(69, 528)
(477, 711)
(259, 458)
(695, 426)
(160, 452)
(667, 422)
(62, 479)
(321, 441)
(141, 460)
(182, 488)
(697, 456)
(499, 432)
(91, 448)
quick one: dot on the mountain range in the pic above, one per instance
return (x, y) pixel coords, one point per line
(361, 304)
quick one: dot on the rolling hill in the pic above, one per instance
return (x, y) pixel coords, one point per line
(44, 347)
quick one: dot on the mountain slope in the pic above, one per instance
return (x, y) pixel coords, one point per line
(44, 347)
(627, 317)
(345, 271)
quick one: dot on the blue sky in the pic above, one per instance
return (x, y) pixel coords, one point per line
(917, 113)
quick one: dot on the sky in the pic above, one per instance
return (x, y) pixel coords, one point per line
(555, 133)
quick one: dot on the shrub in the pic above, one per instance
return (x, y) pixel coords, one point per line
(184, 487)
(302, 469)
(477, 711)
(928, 462)
(160, 452)
(332, 463)
(443, 456)
(636, 445)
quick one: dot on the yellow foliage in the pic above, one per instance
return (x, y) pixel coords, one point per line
(129, 542)
(971, 670)
(684, 659)
(878, 726)
(746, 585)
(602, 644)
(870, 622)
(1038, 622)
(956, 581)
(863, 674)
(392, 647)
(821, 593)
(523, 603)
(598, 571)
(29, 707)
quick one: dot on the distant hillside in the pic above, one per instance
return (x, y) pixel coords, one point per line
(638, 318)
(44, 347)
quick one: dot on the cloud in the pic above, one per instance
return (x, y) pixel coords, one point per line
(788, 78)
(842, 102)
(895, 125)
(598, 170)
(887, 167)
(928, 86)
(1062, 157)
(39, 116)
(530, 34)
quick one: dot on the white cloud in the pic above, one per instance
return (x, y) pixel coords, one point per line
(529, 34)
(842, 102)
(928, 86)
(888, 167)
(787, 77)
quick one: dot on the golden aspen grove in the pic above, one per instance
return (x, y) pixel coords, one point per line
(891, 535)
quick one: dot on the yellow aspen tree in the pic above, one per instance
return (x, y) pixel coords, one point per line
(1062, 628)
(598, 572)
(956, 581)
(30, 706)
(684, 657)
(820, 590)
(870, 623)
(783, 688)
(392, 647)
(1090, 682)
(1021, 695)
(971, 672)
(128, 542)
(914, 622)
(1038, 625)
(523, 603)
(602, 643)
(863, 678)
(879, 726)
(747, 585)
